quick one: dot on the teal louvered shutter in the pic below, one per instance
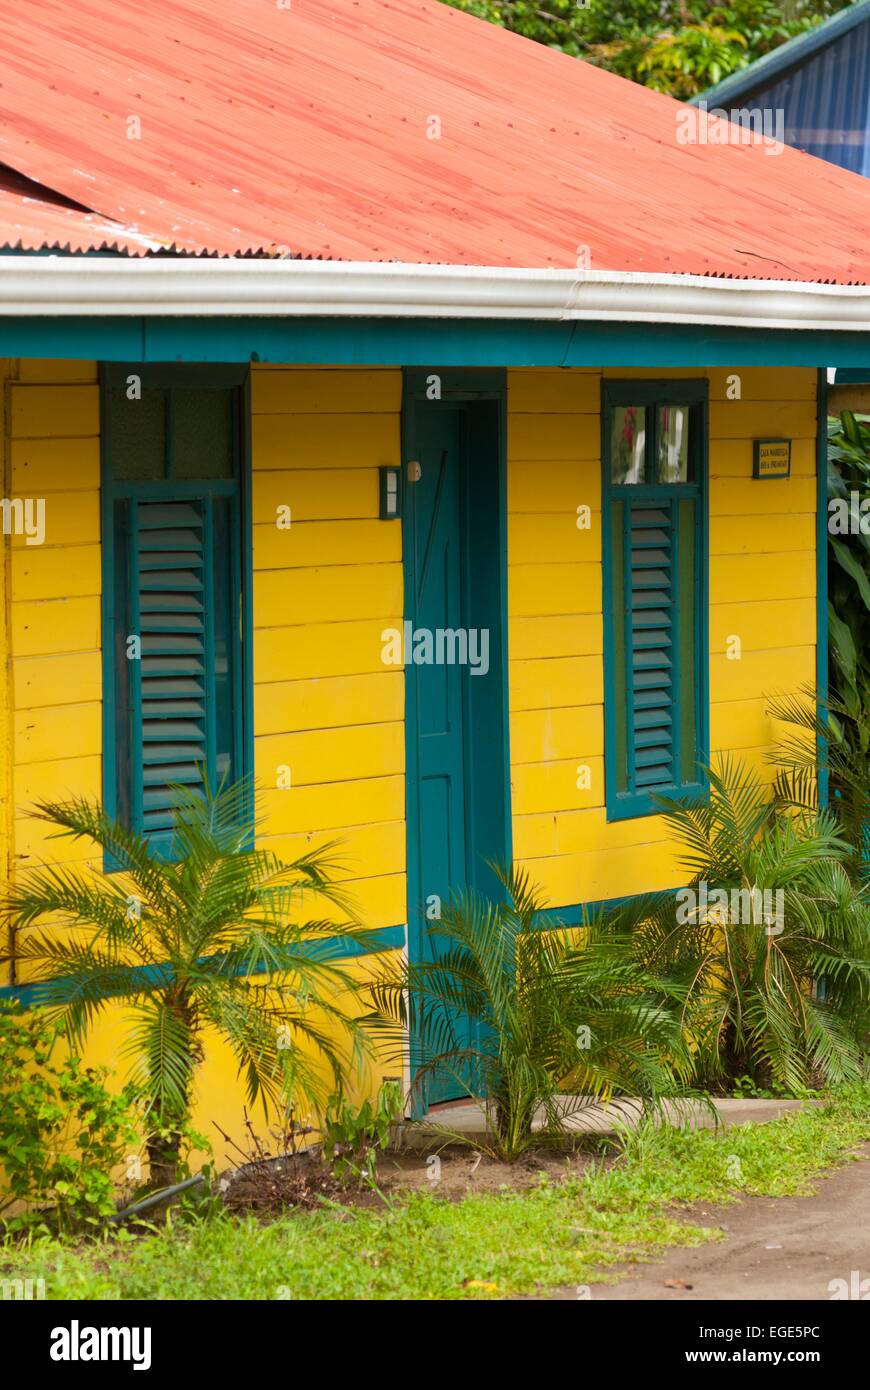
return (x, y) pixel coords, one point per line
(173, 634)
(653, 688)
(171, 694)
(655, 597)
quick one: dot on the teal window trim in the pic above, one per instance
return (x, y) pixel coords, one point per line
(114, 541)
(626, 804)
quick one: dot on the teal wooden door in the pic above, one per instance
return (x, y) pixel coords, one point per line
(456, 797)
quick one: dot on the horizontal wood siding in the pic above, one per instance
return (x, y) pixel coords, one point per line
(762, 592)
(328, 714)
(53, 453)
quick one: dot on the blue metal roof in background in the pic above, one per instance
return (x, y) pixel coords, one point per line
(821, 83)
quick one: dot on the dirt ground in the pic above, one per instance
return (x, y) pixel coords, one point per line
(775, 1248)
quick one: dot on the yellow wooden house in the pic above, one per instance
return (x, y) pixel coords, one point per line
(449, 435)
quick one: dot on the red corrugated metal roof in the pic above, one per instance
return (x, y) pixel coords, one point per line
(304, 130)
(30, 217)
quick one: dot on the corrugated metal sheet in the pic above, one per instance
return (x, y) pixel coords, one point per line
(825, 102)
(32, 218)
(395, 129)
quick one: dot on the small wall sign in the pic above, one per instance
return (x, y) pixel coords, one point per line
(771, 458)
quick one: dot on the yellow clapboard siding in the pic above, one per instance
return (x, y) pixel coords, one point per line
(558, 539)
(315, 494)
(545, 834)
(330, 755)
(553, 787)
(765, 383)
(654, 374)
(323, 806)
(67, 411)
(559, 486)
(762, 673)
(569, 680)
(43, 735)
(329, 391)
(553, 735)
(320, 649)
(55, 572)
(329, 702)
(546, 437)
(38, 843)
(71, 518)
(542, 590)
(744, 724)
(361, 851)
(55, 370)
(57, 780)
(772, 498)
(325, 441)
(565, 634)
(55, 625)
(759, 626)
(327, 543)
(739, 578)
(375, 902)
(43, 680)
(760, 535)
(732, 458)
(338, 593)
(40, 466)
(567, 879)
(554, 392)
(762, 420)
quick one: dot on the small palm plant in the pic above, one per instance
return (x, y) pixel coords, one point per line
(771, 940)
(559, 1020)
(205, 939)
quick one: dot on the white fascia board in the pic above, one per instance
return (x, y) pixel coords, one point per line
(101, 286)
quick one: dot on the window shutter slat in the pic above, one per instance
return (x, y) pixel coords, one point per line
(652, 660)
(171, 737)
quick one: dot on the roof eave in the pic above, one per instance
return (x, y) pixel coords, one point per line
(101, 287)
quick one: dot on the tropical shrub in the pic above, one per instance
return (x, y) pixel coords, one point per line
(560, 1019)
(849, 572)
(209, 940)
(62, 1132)
(354, 1135)
(770, 940)
(826, 739)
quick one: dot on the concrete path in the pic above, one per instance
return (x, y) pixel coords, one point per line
(466, 1117)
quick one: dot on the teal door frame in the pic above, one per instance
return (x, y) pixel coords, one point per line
(481, 546)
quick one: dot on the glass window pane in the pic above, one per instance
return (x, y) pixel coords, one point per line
(137, 434)
(203, 437)
(627, 444)
(672, 463)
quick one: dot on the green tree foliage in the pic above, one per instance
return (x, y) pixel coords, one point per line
(681, 47)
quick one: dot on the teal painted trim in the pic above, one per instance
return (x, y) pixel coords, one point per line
(822, 634)
(633, 804)
(335, 948)
(770, 68)
(418, 342)
(467, 386)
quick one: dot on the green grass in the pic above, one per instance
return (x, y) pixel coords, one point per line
(486, 1246)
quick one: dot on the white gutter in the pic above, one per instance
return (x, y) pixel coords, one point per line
(60, 286)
